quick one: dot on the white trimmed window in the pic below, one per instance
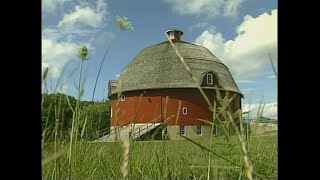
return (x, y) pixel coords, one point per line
(209, 78)
(215, 130)
(182, 130)
(199, 130)
(123, 97)
(184, 110)
(165, 131)
(111, 112)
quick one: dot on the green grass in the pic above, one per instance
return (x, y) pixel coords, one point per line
(164, 160)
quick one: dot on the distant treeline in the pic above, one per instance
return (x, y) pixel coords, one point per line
(57, 114)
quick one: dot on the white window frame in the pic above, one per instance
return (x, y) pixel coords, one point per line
(200, 130)
(215, 130)
(111, 110)
(211, 78)
(185, 110)
(165, 131)
(184, 130)
(122, 97)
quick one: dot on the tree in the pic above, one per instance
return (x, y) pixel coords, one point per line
(57, 112)
(95, 118)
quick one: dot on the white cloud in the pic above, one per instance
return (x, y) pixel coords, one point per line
(208, 8)
(66, 34)
(269, 110)
(76, 28)
(247, 53)
(56, 54)
(49, 6)
(117, 76)
(85, 15)
(231, 7)
(271, 77)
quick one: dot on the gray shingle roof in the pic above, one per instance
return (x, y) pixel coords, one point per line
(158, 66)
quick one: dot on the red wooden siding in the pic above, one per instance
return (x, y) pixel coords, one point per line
(151, 106)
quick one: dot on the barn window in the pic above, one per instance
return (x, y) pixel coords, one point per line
(184, 110)
(209, 78)
(199, 130)
(111, 112)
(165, 131)
(215, 130)
(123, 97)
(182, 130)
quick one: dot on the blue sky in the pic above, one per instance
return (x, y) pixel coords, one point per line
(241, 33)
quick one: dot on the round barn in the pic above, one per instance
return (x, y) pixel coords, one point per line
(155, 93)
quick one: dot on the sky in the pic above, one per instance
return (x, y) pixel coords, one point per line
(241, 33)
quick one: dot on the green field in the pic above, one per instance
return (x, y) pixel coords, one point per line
(162, 159)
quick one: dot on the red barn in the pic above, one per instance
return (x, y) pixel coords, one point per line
(155, 92)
